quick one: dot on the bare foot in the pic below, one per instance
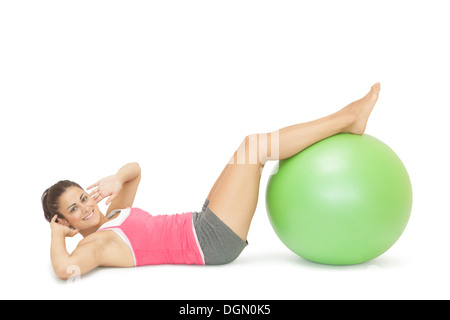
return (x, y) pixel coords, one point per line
(359, 111)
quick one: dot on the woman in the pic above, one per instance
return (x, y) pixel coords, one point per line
(216, 235)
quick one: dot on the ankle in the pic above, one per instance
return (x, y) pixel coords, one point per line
(348, 121)
(343, 120)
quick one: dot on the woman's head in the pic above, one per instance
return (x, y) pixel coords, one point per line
(71, 204)
(50, 198)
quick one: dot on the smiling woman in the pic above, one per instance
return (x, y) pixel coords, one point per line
(51, 196)
(71, 210)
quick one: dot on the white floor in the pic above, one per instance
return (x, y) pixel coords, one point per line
(416, 267)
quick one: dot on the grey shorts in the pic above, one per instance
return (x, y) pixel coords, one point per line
(220, 245)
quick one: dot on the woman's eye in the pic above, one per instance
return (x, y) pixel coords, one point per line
(84, 199)
(73, 209)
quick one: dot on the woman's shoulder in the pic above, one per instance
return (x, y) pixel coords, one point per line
(109, 248)
(95, 238)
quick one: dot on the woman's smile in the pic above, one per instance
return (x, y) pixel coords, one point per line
(89, 216)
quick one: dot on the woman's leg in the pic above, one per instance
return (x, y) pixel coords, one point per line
(219, 179)
(234, 196)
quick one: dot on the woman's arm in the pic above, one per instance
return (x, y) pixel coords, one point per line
(130, 176)
(121, 188)
(84, 258)
(59, 254)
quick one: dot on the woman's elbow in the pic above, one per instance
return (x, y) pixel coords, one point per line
(62, 274)
(65, 273)
(136, 168)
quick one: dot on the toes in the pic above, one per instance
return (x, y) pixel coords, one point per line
(376, 88)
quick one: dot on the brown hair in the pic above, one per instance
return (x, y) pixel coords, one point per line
(50, 198)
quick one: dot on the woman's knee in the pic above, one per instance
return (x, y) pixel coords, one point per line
(257, 148)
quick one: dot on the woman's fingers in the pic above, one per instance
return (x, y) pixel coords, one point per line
(101, 191)
(63, 222)
(96, 195)
(98, 198)
(73, 232)
(93, 192)
(92, 186)
(110, 199)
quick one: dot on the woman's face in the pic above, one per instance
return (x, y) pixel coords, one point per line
(79, 209)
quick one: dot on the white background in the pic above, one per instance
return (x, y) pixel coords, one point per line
(87, 86)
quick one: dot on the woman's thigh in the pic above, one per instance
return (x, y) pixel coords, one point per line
(235, 198)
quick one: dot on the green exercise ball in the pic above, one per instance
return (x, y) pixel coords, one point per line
(344, 200)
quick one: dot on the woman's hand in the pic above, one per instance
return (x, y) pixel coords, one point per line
(106, 187)
(84, 257)
(62, 227)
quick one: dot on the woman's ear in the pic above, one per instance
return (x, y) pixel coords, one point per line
(65, 223)
(62, 221)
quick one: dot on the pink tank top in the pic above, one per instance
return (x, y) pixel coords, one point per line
(159, 239)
